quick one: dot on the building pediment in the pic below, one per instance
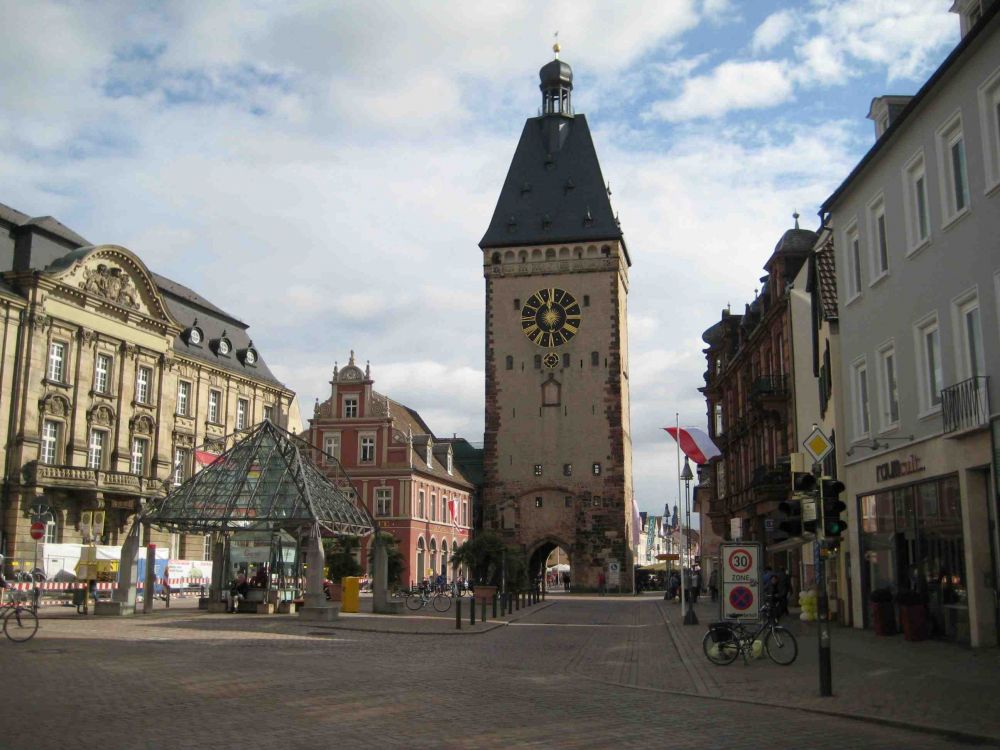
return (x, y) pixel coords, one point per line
(111, 275)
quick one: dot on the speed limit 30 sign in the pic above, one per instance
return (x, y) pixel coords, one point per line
(740, 580)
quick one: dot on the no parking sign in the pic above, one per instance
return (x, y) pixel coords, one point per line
(740, 580)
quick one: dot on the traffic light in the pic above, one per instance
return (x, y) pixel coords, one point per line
(833, 506)
(791, 524)
(803, 495)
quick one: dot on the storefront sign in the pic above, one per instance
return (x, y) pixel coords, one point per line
(895, 469)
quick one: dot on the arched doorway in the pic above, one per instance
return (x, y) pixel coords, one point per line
(419, 572)
(444, 561)
(550, 559)
(434, 557)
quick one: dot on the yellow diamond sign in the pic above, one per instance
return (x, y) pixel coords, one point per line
(817, 445)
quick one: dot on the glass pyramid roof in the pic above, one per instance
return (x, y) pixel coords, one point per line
(266, 481)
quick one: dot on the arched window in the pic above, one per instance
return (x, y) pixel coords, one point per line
(444, 560)
(510, 362)
(444, 508)
(496, 259)
(419, 572)
(434, 557)
(434, 510)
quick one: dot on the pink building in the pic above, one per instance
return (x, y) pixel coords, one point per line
(408, 479)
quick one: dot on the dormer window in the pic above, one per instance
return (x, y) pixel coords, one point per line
(248, 356)
(451, 462)
(194, 336)
(430, 456)
(222, 345)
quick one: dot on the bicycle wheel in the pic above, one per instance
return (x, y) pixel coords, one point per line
(414, 602)
(442, 603)
(781, 646)
(722, 652)
(20, 624)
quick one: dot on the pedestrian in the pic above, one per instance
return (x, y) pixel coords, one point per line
(713, 584)
(695, 585)
(565, 580)
(780, 593)
(602, 583)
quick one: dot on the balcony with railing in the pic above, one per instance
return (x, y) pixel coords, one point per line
(769, 386)
(79, 477)
(966, 405)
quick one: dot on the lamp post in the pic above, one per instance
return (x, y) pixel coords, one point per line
(690, 618)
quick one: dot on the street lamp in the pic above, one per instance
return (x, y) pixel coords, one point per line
(690, 618)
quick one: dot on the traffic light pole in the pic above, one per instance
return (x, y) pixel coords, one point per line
(822, 601)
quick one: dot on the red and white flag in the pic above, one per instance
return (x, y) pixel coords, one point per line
(204, 458)
(453, 509)
(695, 443)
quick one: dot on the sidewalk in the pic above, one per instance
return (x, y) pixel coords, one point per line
(931, 685)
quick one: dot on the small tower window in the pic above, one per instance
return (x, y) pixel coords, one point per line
(595, 359)
(538, 361)
(566, 360)
(517, 304)
(567, 470)
(538, 502)
(510, 362)
(586, 300)
(538, 470)
(597, 468)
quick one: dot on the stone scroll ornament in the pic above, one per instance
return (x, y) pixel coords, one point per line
(110, 283)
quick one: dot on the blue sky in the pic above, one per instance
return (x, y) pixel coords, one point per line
(325, 170)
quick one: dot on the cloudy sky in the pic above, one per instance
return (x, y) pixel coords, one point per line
(325, 170)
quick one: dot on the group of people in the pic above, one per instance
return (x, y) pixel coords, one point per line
(240, 585)
(692, 582)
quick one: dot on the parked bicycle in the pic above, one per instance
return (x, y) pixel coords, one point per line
(20, 622)
(419, 599)
(727, 640)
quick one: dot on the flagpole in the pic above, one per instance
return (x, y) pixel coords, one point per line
(680, 521)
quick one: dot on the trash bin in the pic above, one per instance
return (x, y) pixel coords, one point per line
(351, 595)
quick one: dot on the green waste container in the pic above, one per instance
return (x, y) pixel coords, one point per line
(352, 594)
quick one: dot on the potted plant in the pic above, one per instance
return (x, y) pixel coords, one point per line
(883, 616)
(913, 614)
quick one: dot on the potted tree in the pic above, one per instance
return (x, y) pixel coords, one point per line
(883, 616)
(341, 561)
(913, 614)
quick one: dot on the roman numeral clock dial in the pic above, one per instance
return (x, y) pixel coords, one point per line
(550, 317)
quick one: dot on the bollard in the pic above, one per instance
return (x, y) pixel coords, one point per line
(472, 613)
(517, 600)
(495, 596)
(458, 614)
(482, 612)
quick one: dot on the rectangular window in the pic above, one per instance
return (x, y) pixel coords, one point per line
(242, 409)
(50, 441)
(717, 411)
(95, 452)
(465, 513)
(951, 163)
(420, 504)
(567, 470)
(538, 502)
(331, 446)
(970, 338)
(596, 468)
(269, 413)
(367, 449)
(140, 449)
(889, 395)
(538, 470)
(383, 501)
(915, 207)
(143, 378)
(989, 114)
(214, 399)
(451, 463)
(595, 359)
(434, 507)
(350, 407)
(57, 361)
(853, 245)
(929, 364)
(445, 516)
(51, 532)
(879, 239)
(180, 465)
(183, 398)
(862, 424)
(102, 374)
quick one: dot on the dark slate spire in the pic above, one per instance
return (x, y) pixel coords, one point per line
(554, 191)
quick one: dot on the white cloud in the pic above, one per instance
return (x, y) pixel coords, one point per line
(772, 31)
(730, 86)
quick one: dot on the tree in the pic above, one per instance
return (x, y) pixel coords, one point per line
(396, 561)
(488, 559)
(342, 557)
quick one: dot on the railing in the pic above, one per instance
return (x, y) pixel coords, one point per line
(966, 405)
(770, 475)
(771, 385)
(78, 476)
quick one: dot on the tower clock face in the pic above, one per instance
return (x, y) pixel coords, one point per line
(550, 317)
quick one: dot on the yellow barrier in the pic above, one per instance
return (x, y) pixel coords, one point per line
(351, 594)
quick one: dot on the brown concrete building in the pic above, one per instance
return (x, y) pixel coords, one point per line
(558, 456)
(110, 377)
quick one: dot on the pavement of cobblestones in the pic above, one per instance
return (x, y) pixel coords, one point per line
(580, 673)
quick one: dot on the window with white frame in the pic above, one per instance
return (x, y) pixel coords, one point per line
(181, 459)
(95, 449)
(52, 531)
(367, 449)
(269, 413)
(445, 515)
(859, 385)
(383, 501)
(143, 379)
(951, 165)
(916, 208)
(853, 245)
(989, 115)
(879, 239)
(434, 510)
(451, 463)
(214, 399)
(888, 388)
(465, 513)
(420, 504)
(102, 373)
(242, 410)
(350, 407)
(717, 412)
(928, 341)
(331, 445)
(969, 335)
(140, 449)
(430, 456)
(57, 362)
(50, 441)
(183, 398)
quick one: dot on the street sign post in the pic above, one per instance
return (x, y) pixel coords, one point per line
(817, 445)
(614, 573)
(37, 530)
(740, 580)
(668, 556)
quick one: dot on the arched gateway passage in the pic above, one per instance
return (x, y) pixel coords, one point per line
(550, 559)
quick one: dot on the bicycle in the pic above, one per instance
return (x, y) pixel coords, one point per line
(417, 600)
(724, 641)
(20, 623)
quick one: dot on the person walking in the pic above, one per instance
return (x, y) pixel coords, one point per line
(695, 585)
(602, 583)
(713, 584)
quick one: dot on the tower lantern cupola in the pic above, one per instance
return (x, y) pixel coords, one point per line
(556, 86)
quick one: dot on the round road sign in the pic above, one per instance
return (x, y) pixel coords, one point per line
(37, 530)
(740, 560)
(741, 598)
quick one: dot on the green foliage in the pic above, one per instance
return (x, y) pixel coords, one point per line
(487, 558)
(341, 557)
(396, 561)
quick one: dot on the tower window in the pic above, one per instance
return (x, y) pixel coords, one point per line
(538, 502)
(569, 501)
(538, 361)
(517, 304)
(510, 362)
(538, 470)
(586, 300)
(596, 468)
(567, 470)
(566, 360)
(597, 501)
(595, 359)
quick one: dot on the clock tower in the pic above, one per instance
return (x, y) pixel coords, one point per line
(558, 455)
